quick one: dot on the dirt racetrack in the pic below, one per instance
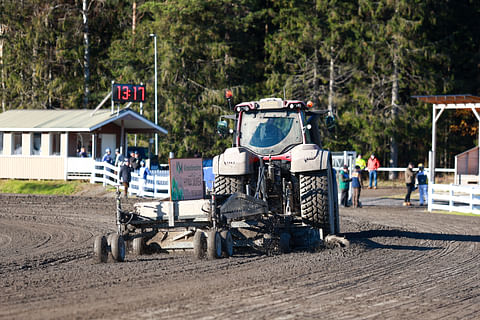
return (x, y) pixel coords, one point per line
(403, 263)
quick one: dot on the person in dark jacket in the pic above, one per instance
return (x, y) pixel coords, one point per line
(410, 183)
(422, 184)
(125, 176)
(134, 163)
(357, 185)
(344, 185)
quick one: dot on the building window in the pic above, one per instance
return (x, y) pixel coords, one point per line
(37, 144)
(17, 143)
(1, 142)
(55, 144)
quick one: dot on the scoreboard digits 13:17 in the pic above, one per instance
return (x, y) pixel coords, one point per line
(128, 92)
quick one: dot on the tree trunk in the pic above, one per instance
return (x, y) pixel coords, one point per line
(393, 142)
(86, 55)
(331, 84)
(134, 16)
(316, 79)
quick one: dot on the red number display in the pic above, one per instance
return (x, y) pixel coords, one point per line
(128, 93)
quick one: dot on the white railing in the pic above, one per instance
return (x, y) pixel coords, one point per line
(79, 168)
(449, 197)
(157, 184)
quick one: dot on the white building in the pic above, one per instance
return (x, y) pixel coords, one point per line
(44, 144)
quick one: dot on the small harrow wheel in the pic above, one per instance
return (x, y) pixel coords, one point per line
(118, 248)
(100, 249)
(199, 245)
(138, 246)
(227, 243)
(214, 245)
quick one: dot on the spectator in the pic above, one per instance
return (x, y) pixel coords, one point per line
(107, 157)
(422, 184)
(362, 164)
(132, 160)
(138, 159)
(82, 153)
(356, 186)
(143, 174)
(410, 183)
(372, 165)
(119, 158)
(344, 185)
(125, 176)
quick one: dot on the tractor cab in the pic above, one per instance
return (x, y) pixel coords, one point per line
(272, 126)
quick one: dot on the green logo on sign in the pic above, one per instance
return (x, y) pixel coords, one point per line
(179, 167)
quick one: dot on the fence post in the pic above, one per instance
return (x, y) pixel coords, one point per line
(154, 174)
(104, 175)
(92, 175)
(450, 201)
(429, 197)
(471, 200)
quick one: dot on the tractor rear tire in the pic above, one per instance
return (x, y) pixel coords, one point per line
(199, 245)
(100, 249)
(214, 245)
(118, 248)
(314, 206)
(227, 243)
(229, 184)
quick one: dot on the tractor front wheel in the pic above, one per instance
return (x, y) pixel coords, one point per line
(314, 206)
(229, 184)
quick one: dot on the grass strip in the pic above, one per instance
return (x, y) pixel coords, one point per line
(39, 187)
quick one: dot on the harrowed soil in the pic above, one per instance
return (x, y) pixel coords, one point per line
(403, 263)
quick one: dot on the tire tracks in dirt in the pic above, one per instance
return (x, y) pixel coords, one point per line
(402, 263)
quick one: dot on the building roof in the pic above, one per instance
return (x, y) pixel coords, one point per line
(85, 120)
(450, 99)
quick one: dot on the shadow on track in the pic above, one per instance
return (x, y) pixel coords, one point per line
(365, 237)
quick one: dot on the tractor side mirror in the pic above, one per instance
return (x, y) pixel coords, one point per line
(222, 127)
(330, 122)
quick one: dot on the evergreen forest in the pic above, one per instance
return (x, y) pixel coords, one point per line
(363, 60)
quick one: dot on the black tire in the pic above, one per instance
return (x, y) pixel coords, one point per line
(118, 248)
(214, 245)
(227, 243)
(138, 246)
(100, 249)
(229, 184)
(314, 200)
(284, 244)
(199, 245)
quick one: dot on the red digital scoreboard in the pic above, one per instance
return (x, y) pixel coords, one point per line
(128, 92)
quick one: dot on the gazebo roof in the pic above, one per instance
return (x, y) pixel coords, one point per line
(84, 120)
(450, 99)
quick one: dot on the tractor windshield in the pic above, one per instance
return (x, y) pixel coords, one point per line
(270, 132)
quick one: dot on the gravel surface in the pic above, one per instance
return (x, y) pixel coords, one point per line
(403, 263)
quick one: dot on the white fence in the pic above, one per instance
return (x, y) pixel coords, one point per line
(157, 184)
(456, 198)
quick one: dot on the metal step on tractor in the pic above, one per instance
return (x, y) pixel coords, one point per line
(274, 189)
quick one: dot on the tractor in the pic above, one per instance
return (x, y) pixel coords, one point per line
(276, 157)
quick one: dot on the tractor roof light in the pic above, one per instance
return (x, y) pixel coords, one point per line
(309, 104)
(295, 104)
